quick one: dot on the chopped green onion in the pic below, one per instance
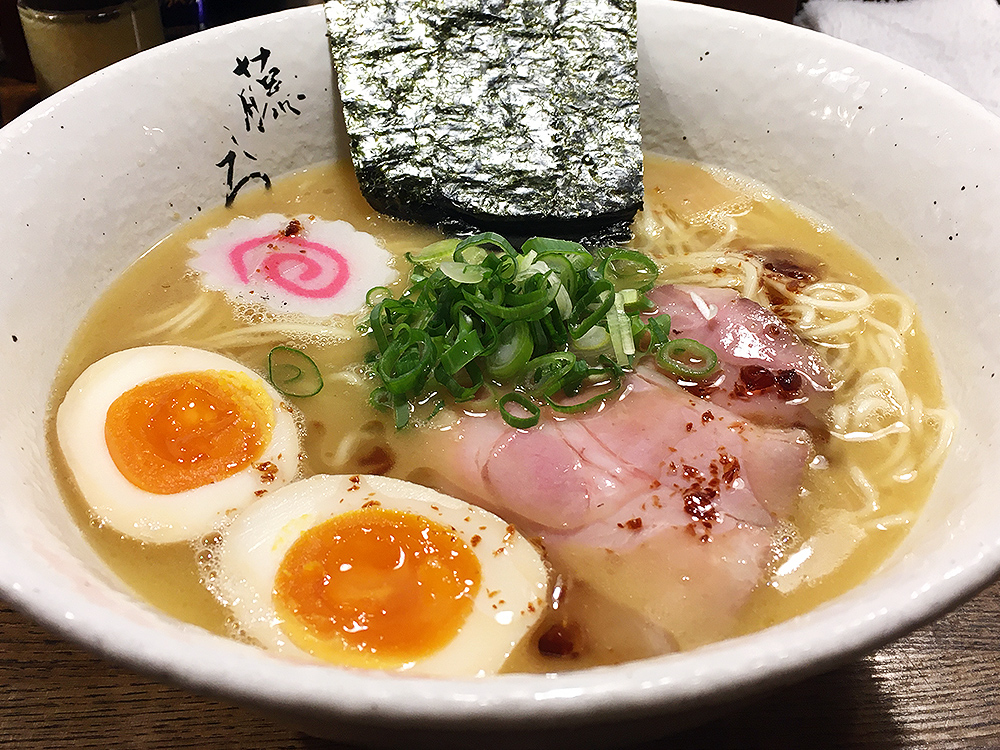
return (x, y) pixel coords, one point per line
(544, 375)
(629, 269)
(596, 339)
(520, 422)
(481, 317)
(376, 294)
(513, 352)
(630, 297)
(574, 252)
(487, 238)
(574, 377)
(433, 255)
(579, 406)
(628, 343)
(620, 328)
(529, 306)
(466, 317)
(470, 254)
(401, 409)
(293, 373)
(465, 349)
(563, 269)
(404, 366)
(601, 293)
(463, 273)
(549, 245)
(659, 329)
(686, 358)
(564, 303)
(457, 390)
(377, 321)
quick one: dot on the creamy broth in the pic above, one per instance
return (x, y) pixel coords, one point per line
(844, 526)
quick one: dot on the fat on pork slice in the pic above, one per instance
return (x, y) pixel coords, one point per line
(663, 502)
(765, 372)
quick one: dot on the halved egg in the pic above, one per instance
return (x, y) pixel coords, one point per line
(369, 571)
(165, 441)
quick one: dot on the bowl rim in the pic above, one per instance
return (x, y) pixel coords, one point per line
(716, 672)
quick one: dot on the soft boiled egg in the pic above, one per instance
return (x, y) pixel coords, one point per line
(165, 441)
(369, 571)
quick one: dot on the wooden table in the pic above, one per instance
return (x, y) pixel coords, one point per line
(937, 688)
(16, 97)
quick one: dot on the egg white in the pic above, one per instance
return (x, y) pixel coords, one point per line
(148, 516)
(510, 600)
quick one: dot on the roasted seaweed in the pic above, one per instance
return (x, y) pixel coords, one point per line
(519, 117)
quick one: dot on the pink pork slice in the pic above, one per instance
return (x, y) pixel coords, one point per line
(661, 501)
(766, 373)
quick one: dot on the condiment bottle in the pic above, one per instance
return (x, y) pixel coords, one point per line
(69, 39)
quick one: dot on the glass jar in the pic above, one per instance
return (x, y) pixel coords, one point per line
(69, 39)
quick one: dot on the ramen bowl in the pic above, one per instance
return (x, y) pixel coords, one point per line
(901, 165)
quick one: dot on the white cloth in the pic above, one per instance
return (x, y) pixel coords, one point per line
(955, 41)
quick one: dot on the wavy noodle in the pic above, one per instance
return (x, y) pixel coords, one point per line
(262, 333)
(208, 322)
(179, 317)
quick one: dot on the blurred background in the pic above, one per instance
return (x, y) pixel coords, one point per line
(47, 44)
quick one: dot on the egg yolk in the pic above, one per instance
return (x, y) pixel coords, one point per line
(376, 588)
(185, 430)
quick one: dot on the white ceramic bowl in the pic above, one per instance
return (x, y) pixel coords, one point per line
(900, 164)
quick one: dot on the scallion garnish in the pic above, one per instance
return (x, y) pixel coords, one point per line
(523, 421)
(686, 358)
(293, 373)
(513, 351)
(659, 329)
(629, 269)
(550, 324)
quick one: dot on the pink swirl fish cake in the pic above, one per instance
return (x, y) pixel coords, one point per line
(300, 266)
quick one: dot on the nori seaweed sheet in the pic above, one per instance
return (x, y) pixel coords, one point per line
(517, 116)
